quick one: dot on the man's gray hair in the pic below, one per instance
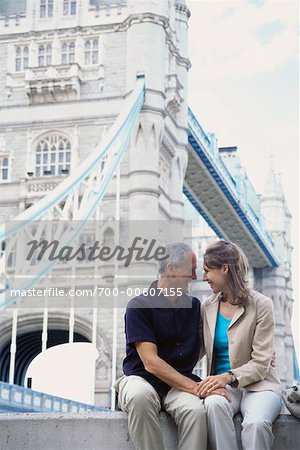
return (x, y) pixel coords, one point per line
(177, 254)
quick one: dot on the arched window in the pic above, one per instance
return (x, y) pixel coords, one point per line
(46, 8)
(53, 156)
(21, 58)
(71, 52)
(49, 55)
(87, 53)
(95, 52)
(73, 7)
(43, 9)
(88, 239)
(66, 7)
(4, 168)
(25, 57)
(18, 59)
(41, 60)
(68, 53)
(50, 8)
(69, 7)
(64, 53)
(109, 238)
(91, 52)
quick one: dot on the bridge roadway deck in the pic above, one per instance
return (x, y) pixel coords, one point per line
(228, 206)
(105, 431)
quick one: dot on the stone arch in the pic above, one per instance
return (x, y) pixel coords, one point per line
(29, 340)
(152, 141)
(139, 137)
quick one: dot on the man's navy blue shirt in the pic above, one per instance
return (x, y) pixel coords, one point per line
(173, 328)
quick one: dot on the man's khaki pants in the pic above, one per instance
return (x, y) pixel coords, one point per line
(140, 400)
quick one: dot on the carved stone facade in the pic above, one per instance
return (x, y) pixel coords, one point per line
(65, 69)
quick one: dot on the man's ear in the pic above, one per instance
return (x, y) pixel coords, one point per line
(169, 269)
(225, 268)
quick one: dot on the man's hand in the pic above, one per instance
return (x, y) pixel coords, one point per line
(209, 384)
(158, 367)
(220, 391)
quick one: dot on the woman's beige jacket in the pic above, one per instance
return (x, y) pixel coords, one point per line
(250, 341)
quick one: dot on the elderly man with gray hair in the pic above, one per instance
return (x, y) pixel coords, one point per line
(162, 349)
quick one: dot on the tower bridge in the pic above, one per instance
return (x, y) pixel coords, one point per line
(95, 126)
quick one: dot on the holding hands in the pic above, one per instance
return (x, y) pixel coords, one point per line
(220, 391)
(211, 386)
(211, 383)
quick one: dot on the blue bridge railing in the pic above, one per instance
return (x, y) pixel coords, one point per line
(20, 399)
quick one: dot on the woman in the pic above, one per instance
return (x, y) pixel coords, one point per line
(238, 327)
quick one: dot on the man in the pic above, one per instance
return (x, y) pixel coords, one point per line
(162, 348)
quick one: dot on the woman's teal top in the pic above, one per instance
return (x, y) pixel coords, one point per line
(221, 344)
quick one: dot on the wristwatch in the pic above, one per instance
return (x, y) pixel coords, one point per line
(232, 377)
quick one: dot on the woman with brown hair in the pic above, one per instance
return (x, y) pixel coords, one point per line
(238, 327)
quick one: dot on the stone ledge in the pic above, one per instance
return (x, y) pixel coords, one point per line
(105, 431)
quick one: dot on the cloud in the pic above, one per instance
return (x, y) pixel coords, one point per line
(265, 33)
(242, 39)
(257, 3)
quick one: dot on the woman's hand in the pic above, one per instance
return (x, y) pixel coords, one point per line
(221, 391)
(273, 360)
(211, 383)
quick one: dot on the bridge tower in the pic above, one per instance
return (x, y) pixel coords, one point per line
(276, 282)
(158, 153)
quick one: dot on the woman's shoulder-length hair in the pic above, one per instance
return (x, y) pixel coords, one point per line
(222, 252)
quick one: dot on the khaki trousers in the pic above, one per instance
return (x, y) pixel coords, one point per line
(259, 410)
(140, 400)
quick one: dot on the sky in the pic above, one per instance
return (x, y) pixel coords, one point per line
(244, 86)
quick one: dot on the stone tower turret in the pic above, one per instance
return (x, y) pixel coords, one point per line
(276, 282)
(158, 146)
